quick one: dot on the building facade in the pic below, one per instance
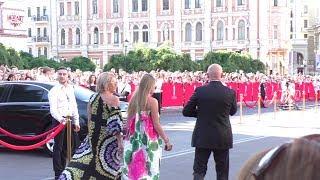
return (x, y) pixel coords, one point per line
(13, 32)
(99, 29)
(38, 21)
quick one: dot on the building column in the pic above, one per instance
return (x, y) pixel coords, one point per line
(84, 28)
(207, 26)
(153, 30)
(177, 25)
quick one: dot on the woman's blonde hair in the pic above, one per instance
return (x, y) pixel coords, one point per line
(139, 99)
(103, 80)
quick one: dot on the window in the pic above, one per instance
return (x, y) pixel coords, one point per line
(29, 32)
(61, 9)
(76, 8)
(275, 32)
(38, 32)
(144, 5)
(95, 36)
(187, 4)
(291, 14)
(39, 51)
(240, 2)
(233, 34)
(305, 36)
(165, 33)
(26, 93)
(220, 31)
(45, 51)
(45, 32)
(241, 30)
(188, 32)
(305, 9)
(38, 13)
(134, 5)
(291, 26)
(94, 6)
(44, 11)
(63, 37)
(219, 3)
(77, 36)
(116, 35)
(70, 36)
(30, 50)
(29, 11)
(135, 34)
(199, 32)
(197, 3)
(305, 23)
(291, 36)
(226, 30)
(115, 6)
(275, 2)
(165, 5)
(145, 34)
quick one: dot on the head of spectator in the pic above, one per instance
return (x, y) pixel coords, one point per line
(11, 77)
(46, 71)
(92, 80)
(214, 72)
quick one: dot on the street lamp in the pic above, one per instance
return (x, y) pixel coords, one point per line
(125, 44)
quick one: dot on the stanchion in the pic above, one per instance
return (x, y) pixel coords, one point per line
(69, 126)
(275, 105)
(241, 99)
(304, 100)
(259, 106)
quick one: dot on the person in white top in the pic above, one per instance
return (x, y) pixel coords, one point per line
(62, 105)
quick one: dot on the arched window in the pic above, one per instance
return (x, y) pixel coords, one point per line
(115, 6)
(134, 5)
(220, 31)
(135, 33)
(70, 36)
(116, 35)
(96, 36)
(241, 30)
(199, 32)
(218, 3)
(187, 4)
(145, 34)
(144, 5)
(63, 37)
(77, 36)
(188, 35)
(165, 5)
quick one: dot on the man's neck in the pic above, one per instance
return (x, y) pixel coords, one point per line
(65, 84)
(215, 79)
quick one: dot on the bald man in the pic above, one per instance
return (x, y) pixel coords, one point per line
(212, 104)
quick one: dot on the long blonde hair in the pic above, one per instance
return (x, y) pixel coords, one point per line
(139, 99)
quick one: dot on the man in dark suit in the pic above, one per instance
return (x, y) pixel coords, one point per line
(212, 104)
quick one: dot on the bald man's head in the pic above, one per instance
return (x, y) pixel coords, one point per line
(214, 72)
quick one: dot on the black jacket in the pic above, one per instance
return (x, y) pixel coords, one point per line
(212, 104)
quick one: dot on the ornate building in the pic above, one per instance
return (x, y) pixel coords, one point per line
(99, 29)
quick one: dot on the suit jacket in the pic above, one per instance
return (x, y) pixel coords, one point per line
(212, 104)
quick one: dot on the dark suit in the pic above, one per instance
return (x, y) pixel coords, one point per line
(212, 104)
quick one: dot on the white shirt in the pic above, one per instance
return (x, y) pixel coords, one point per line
(123, 87)
(63, 103)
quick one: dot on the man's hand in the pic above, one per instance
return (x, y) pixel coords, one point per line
(76, 128)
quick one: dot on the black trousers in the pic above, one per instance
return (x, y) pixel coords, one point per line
(221, 158)
(59, 154)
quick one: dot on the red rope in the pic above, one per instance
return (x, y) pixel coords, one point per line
(251, 106)
(34, 146)
(26, 138)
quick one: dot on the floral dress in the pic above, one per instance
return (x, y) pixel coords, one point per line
(97, 157)
(142, 149)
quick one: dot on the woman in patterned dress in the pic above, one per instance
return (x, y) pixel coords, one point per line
(99, 156)
(142, 143)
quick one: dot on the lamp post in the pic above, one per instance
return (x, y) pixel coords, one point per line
(125, 44)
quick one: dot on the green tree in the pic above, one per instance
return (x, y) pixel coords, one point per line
(82, 63)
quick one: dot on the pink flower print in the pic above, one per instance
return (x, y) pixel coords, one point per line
(137, 167)
(149, 129)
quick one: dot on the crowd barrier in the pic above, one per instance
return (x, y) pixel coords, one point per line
(178, 94)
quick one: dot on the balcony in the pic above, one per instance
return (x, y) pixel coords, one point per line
(44, 39)
(41, 19)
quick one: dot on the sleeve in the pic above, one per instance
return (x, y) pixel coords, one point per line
(75, 112)
(53, 102)
(234, 107)
(190, 110)
(114, 123)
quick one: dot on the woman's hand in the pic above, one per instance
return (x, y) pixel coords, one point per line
(168, 146)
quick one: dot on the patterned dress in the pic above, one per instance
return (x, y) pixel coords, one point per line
(97, 157)
(142, 149)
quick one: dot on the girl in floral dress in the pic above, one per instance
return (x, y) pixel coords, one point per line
(143, 140)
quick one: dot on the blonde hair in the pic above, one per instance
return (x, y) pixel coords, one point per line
(103, 80)
(139, 99)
